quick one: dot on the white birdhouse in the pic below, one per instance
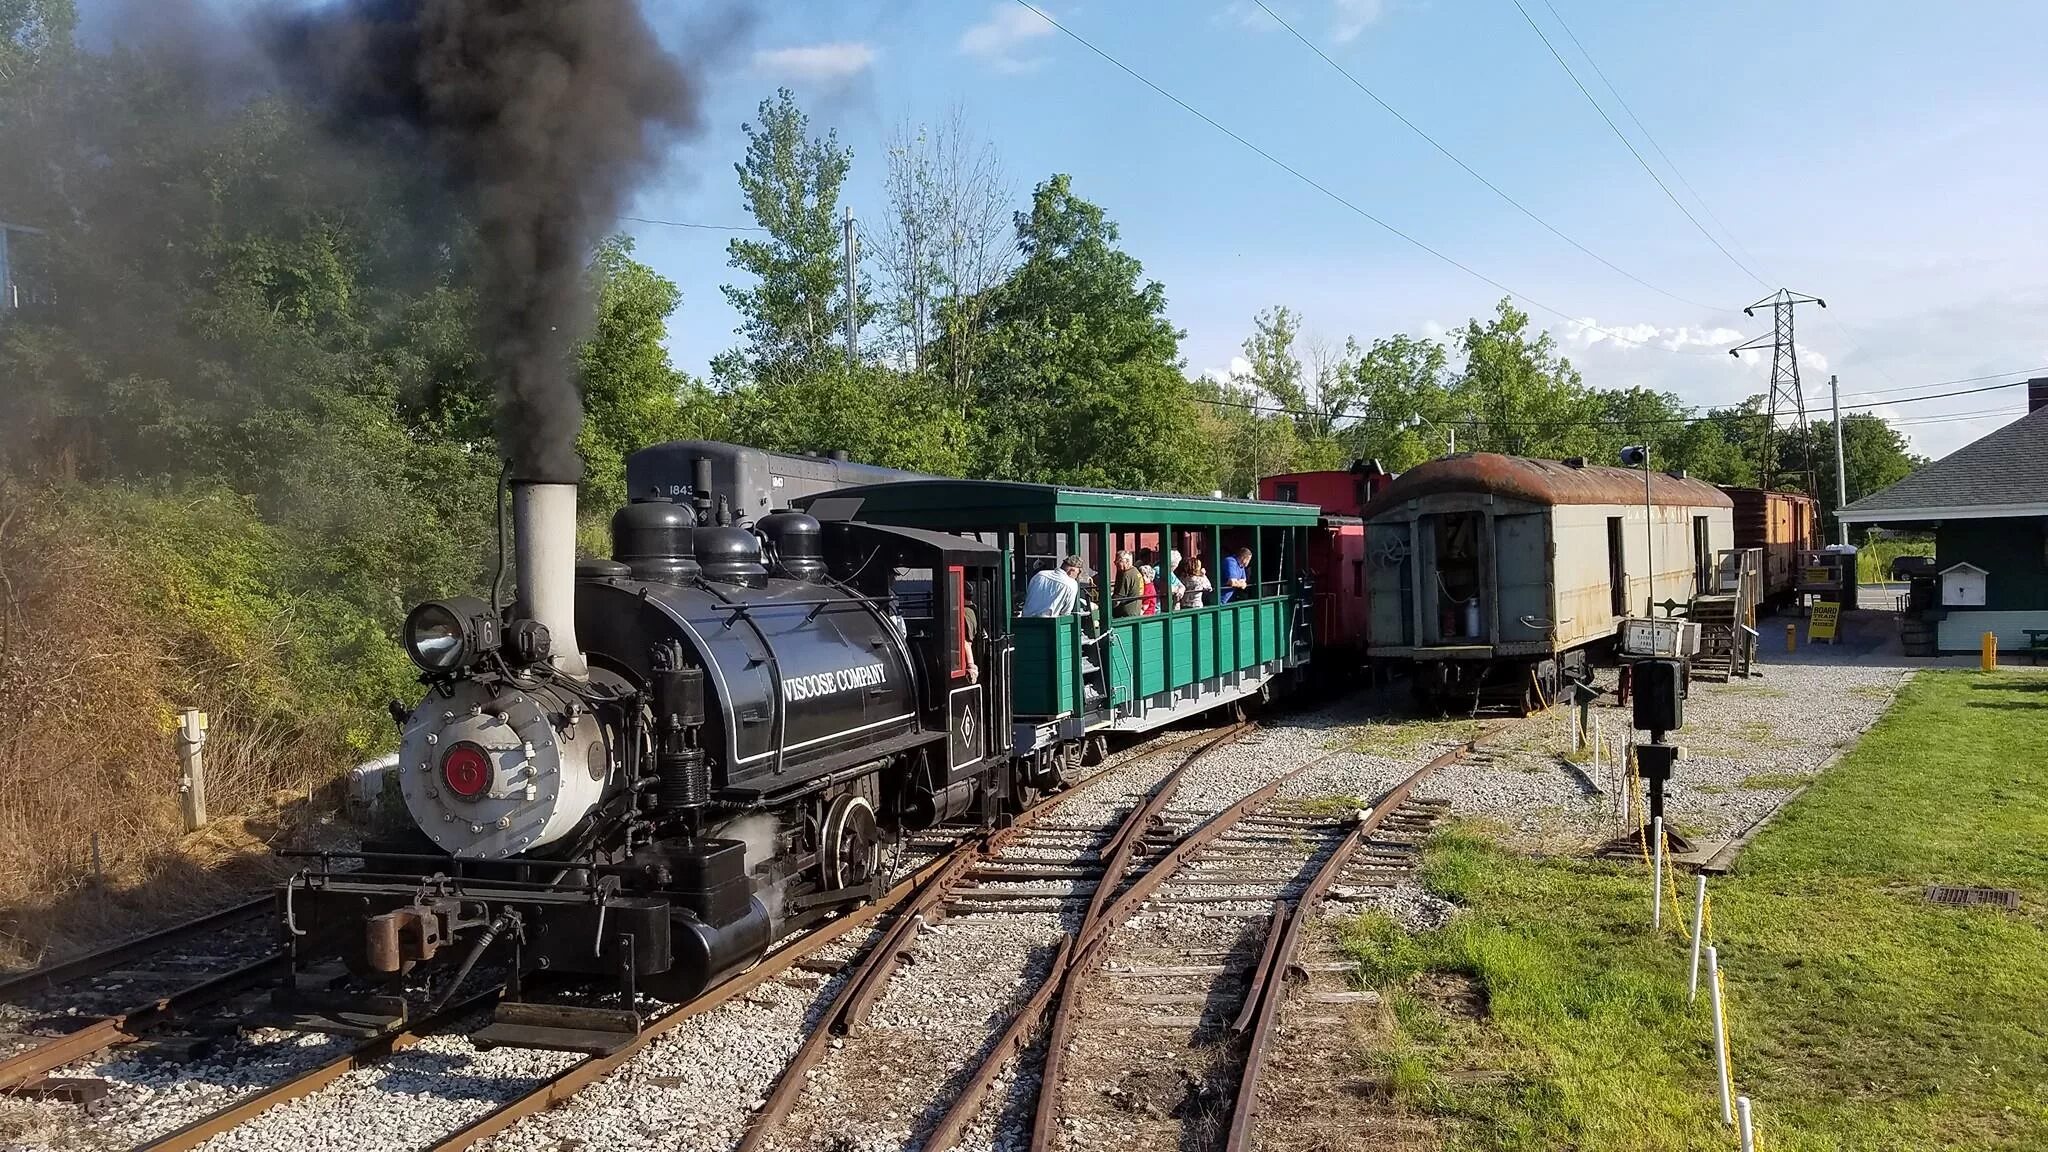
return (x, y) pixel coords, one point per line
(1962, 586)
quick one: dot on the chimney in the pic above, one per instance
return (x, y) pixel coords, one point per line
(544, 544)
(2037, 393)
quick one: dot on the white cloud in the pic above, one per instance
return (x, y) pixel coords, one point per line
(1352, 17)
(1239, 366)
(1586, 332)
(1000, 38)
(817, 62)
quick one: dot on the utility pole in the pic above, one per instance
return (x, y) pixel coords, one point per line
(1841, 470)
(1785, 394)
(852, 259)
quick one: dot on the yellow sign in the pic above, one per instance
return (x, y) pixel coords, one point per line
(1827, 615)
(1820, 576)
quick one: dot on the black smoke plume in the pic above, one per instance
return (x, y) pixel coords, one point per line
(541, 117)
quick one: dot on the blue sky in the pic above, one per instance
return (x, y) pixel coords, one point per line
(1887, 157)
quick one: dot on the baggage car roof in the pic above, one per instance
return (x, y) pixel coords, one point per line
(1542, 482)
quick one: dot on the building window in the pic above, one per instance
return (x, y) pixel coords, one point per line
(1288, 491)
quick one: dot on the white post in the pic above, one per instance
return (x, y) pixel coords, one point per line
(1720, 1034)
(192, 768)
(1748, 1133)
(1657, 875)
(1699, 923)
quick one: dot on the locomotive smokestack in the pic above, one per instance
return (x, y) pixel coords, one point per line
(544, 559)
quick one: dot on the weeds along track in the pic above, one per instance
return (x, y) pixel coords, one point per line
(429, 1087)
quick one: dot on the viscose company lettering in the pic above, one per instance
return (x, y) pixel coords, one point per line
(827, 683)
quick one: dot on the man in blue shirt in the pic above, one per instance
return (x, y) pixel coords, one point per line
(1234, 578)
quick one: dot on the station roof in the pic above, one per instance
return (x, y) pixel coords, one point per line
(1542, 482)
(1996, 476)
(972, 505)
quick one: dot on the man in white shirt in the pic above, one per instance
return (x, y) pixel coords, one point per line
(1053, 591)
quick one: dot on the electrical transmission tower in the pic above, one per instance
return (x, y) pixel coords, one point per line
(1785, 395)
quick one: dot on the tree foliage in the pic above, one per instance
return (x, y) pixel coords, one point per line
(795, 311)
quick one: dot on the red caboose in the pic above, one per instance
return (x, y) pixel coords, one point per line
(1336, 549)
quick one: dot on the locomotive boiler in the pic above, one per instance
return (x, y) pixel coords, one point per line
(650, 767)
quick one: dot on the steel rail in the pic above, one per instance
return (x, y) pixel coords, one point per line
(849, 1009)
(1058, 991)
(22, 1068)
(114, 955)
(1273, 988)
(313, 1079)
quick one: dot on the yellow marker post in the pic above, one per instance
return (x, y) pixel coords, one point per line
(1989, 659)
(1791, 637)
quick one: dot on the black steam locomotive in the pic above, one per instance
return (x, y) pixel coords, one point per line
(653, 766)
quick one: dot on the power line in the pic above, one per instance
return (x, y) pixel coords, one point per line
(1630, 145)
(1953, 416)
(688, 224)
(1470, 171)
(1947, 383)
(1641, 127)
(1694, 415)
(1326, 191)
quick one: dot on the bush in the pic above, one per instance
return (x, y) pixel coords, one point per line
(122, 606)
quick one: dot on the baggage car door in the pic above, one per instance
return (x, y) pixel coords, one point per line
(1390, 567)
(1522, 574)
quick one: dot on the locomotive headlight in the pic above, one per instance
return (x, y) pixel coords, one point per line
(446, 635)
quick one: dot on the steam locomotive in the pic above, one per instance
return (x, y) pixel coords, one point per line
(653, 766)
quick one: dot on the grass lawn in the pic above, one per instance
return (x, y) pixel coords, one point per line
(1545, 1016)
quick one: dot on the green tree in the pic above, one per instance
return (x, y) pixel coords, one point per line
(878, 415)
(1517, 395)
(795, 310)
(1874, 456)
(1083, 379)
(632, 395)
(1408, 413)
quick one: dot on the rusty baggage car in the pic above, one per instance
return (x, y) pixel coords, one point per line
(1493, 575)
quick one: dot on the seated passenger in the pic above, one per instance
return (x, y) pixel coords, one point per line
(1149, 598)
(1054, 591)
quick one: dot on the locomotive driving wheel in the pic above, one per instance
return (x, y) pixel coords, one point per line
(849, 844)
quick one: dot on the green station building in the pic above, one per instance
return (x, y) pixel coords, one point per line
(1987, 505)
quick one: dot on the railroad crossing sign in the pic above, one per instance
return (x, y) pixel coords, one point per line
(1827, 617)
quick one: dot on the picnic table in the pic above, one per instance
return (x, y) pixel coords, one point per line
(2037, 643)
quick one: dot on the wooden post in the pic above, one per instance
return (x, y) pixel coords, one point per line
(1988, 658)
(192, 767)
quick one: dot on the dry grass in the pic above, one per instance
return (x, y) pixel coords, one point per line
(90, 837)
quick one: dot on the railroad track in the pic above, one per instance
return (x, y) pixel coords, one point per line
(1012, 904)
(183, 979)
(442, 1112)
(1205, 1023)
